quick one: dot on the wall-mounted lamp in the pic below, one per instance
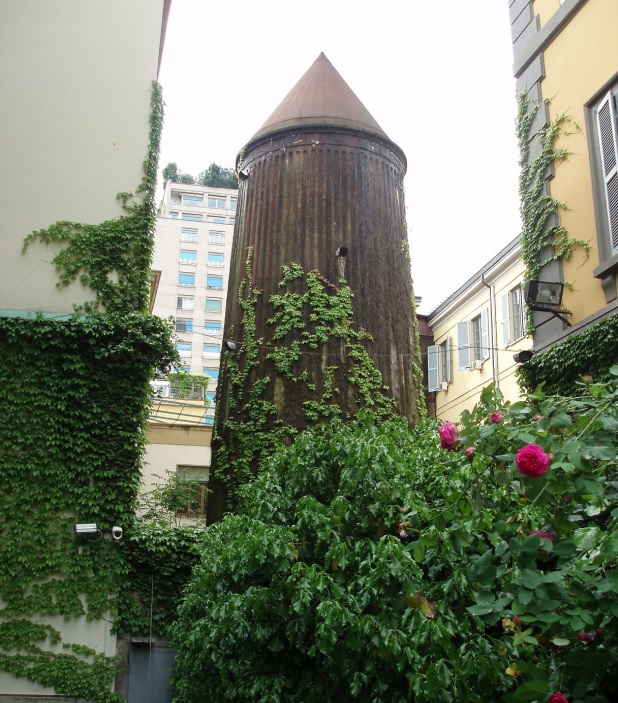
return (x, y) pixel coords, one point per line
(523, 356)
(546, 296)
(229, 345)
(86, 529)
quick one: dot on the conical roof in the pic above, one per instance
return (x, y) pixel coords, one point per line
(321, 98)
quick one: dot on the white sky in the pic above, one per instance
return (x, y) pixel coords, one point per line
(435, 74)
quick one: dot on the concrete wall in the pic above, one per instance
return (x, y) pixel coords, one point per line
(75, 80)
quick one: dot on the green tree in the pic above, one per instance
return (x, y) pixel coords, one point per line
(374, 562)
(218, 177)
(170, 172)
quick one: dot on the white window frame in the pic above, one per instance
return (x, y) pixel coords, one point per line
(216, 264)
(190, 261)
(186, 322)
(606, 120)
(186, 285)
(192, 200)
(215, 237)
(513, 319)
(470, 352)
(218, 199)
(188, 234)
(185, 303)
(220, 300)
(439, 365)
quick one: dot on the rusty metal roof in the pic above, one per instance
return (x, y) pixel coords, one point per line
(321, 98)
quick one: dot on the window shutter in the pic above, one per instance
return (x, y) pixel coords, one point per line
(447, 350)
(432, 368)
(506, 321)
(463, 344)
(484, 335)
(608, 141)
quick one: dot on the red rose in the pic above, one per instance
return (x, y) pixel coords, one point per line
(542, 535)
(448, 435)
(469, 451)
(496, 417)
(532, 461)
(557, 698)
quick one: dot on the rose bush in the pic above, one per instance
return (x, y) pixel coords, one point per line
(371, 564)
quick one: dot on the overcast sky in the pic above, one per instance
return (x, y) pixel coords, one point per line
(437, 77)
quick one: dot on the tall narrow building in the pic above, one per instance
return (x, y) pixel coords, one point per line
(321, 188)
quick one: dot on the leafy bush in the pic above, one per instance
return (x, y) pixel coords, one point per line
(373, 564)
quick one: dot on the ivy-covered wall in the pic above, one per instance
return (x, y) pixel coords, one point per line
(561, 367)
(73, 409)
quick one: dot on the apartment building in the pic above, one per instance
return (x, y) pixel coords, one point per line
(476, 332)
(566, 62)
(193, 243)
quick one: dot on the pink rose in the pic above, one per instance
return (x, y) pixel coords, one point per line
(584, 636)
(542, 535)
(588, 378)
(469, 451)
(532, 461)
(536, 417)
(448, 435)
(557, 698)
(496, 417)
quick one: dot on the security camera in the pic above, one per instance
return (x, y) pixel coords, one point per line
(117, 532)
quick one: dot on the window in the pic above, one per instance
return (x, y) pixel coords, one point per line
(216, 237)
(217, 201)
(186, 279)
(184, 303)
(183, 349)
(439, 366)
(473, 341)
(214, 305)
(174, 215)
(184, 326)
(512, 316)
(193, 200)
(212, 328)
(215, 220)
(191, 216)
(213, 373)
(192, 491)
(233, 203)
(214, 282)
(209, 421)
(188, 235)
(188, 257)
(212, 351)
(215, 260)
(607, 132)
(210, 397)
(232, 220)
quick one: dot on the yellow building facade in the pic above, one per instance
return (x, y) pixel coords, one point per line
(476, 332)
(566, 60)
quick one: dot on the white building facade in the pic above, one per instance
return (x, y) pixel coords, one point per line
(193, 244)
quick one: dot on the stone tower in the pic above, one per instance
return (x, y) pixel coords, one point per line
(321, 186)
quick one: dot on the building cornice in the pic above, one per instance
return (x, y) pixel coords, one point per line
(544, 37)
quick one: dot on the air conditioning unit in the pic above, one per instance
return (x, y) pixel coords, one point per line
(444, 386)
(477, 364)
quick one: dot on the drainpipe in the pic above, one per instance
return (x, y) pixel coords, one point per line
(492, 332)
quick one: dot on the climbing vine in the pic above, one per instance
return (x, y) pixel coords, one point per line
(74, 408)
(590, 353)
(310, 313)
(541, 229)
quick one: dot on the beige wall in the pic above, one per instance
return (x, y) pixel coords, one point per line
(578, 63)
(545, 9)
(75, 80)
(90, 633)
(172, 446)
(465, 387)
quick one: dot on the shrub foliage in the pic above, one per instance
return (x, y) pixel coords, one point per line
(372, 564)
